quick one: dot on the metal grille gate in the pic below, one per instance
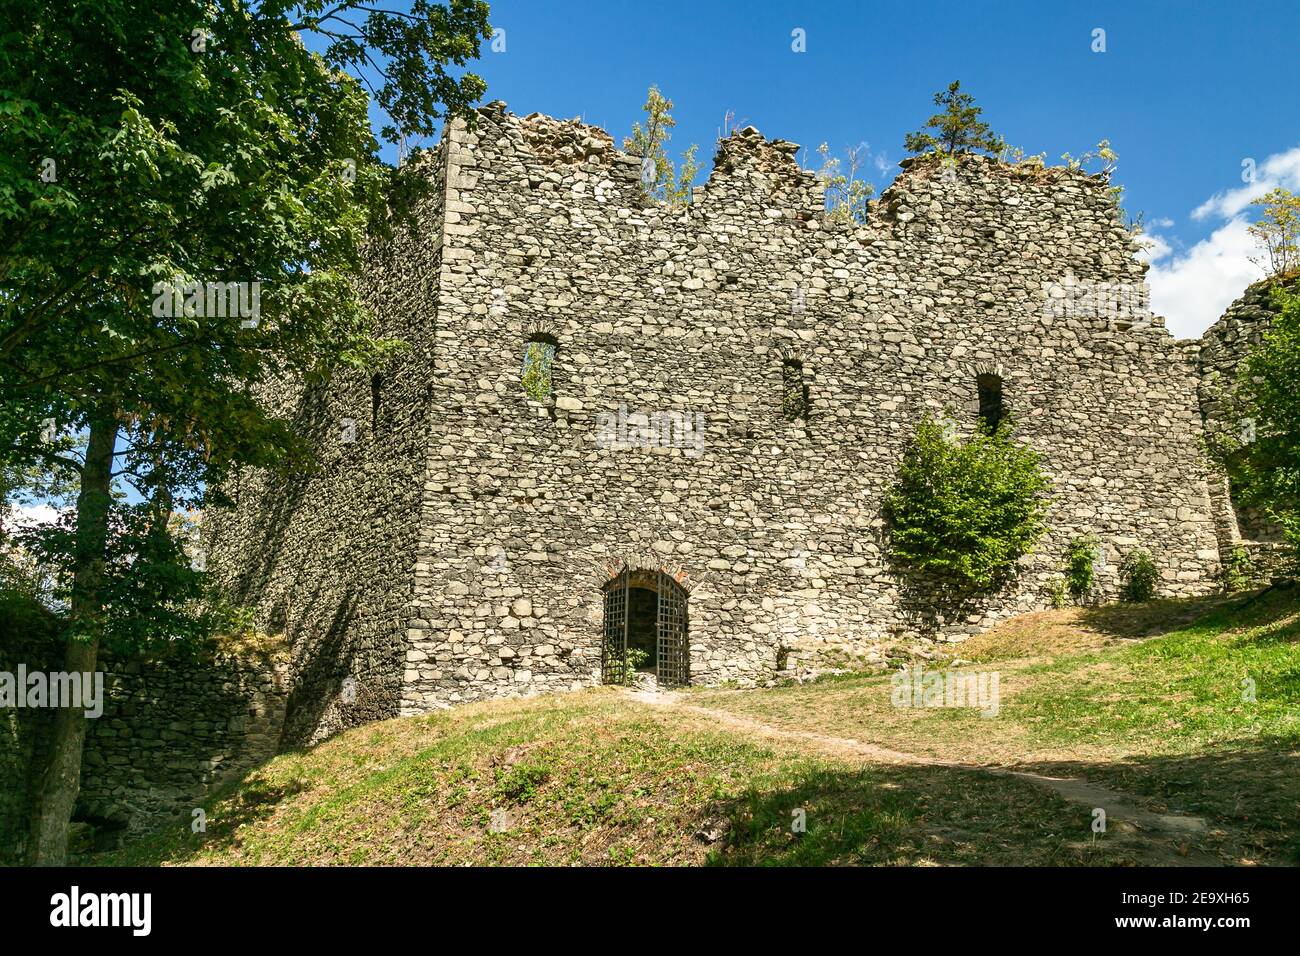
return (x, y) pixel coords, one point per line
(671, 629)
(613, 648)
(671, 633)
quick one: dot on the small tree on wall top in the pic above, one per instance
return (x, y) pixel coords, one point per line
(661, 180)
(966, 509)
(846, 192)
(958, 129)
(1277, 232)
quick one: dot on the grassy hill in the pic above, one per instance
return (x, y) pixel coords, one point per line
(1148, 701)
(1192, 707)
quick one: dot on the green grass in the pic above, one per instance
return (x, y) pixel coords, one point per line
(1147, 700)
(1183, 691)
(597, 779)
(1166, 717)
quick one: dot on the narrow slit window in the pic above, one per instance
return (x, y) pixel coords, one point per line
(376, 401)
(992, 411)
(794, 391)
(539, 356)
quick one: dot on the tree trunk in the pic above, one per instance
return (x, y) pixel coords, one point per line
(62, 777)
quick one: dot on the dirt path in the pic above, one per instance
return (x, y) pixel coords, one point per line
(1158, 839)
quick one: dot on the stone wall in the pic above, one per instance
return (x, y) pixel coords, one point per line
(777, 525)
(172, 729)
(458, 552)
(327, 556)
(1223, 347)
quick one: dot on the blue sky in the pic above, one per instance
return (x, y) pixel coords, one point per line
(1184, 91)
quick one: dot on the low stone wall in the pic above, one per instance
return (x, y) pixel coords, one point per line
(173, 728)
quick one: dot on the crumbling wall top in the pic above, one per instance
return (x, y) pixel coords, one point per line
(759, 178)
(566, 142)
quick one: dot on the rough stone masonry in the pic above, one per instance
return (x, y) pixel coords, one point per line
(453, 542)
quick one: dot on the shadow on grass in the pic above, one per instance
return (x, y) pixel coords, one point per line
(1163, 616)
(903, 815)
(1153, 618)
(1250, 799)
(916, 815)
(1249, 793)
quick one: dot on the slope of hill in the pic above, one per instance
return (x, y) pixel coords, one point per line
(1137, 700)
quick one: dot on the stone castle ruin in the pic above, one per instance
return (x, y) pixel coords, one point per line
(718, 399)
(729, 388)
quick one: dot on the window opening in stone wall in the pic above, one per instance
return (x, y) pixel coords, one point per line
(992, 411)
(539, 356)
(376, 397)
(794, 391)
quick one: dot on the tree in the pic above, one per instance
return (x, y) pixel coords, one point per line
(1278, 232)
(183, 212)
(660, 179)
(965, 510)
(958, 129)
(846, 194)
(1262, 457)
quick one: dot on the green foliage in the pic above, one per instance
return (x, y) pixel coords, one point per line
(1277, 231)
(169, 165)
(794, 392)
(1081, 564)
(153, 592)
(1139, 575)
(1058, 593)
(966, 510)
(846, 194)
(958, 129)
(150, 146)
(1263, 456)
(1238, 570)
(1103, 154)
(624, 671)
(536, 377)
(1016, 156)
(636, 659)
(521, 782)
(661, 181)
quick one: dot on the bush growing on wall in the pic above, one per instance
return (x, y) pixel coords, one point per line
(1238, 570)
(1081, 566)
(966, 509)
(1139, 574)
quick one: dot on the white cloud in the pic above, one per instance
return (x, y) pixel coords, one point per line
(1192, 289)
(27, 516)
(1280, 169)
(1154, 247)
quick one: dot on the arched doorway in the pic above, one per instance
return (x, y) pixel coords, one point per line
(645, 628)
